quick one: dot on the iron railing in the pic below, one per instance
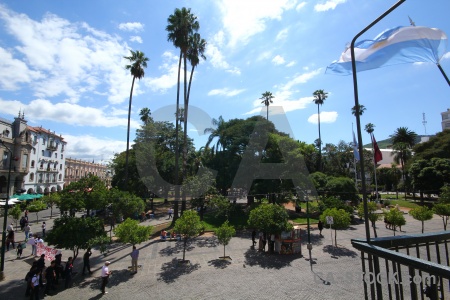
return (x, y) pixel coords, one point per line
(406, 267)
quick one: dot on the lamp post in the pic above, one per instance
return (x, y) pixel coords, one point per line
(308, 245)
(5, 217)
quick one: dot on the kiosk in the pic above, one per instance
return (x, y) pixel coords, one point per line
(289, 242)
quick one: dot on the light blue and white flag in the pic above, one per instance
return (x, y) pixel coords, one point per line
(394, 46)
(355, 147)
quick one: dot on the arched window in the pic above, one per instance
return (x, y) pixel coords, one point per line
(32, 163)
(31, 177)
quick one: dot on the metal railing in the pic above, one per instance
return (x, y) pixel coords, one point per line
(406, 267)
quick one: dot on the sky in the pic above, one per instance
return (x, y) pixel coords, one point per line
(62, 65)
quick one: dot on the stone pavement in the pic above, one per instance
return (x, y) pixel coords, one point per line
(249, 275)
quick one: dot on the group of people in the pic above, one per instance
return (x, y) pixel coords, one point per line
(169, 235)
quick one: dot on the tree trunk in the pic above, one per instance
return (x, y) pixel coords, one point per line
(335, 237)
(177, 154)
(320, 142)
(422, 226)
(374, 229)
(128, 134)
(184, 247)
(223, 251)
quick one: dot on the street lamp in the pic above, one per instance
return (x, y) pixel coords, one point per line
(309, 245)
(5, 217)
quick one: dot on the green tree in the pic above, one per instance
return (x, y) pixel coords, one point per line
(267, 100)
(75, 233)
(145, 115)
(372, 215)
(395, 218)
(319, 97)
(341, 187)
(369, 128)
(189, 226)
(443, 211)
(131, 232)
(269, 218)
(15, 213)
(181, 25)
(362, 109)
(341, 220)
(90, 191)
(52, 200)
(224, 234)
(123, 204)
(197, 187)
(436, 147)
(422, 214)
(138, 62)
(36, 206)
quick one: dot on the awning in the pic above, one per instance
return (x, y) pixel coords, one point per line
(27, 196)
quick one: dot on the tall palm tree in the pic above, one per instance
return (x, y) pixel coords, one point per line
(181, 24)
(267, 99)
(403, 140)
(319, 97)
(138, 62)
(217, 132)
(362, 109)
(145, 115)
(369, 128)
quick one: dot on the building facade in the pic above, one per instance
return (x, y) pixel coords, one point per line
(77, 169)
(445, 119)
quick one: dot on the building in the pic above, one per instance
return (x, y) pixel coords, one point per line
(445, 119)
(76, 169)
(38, 158)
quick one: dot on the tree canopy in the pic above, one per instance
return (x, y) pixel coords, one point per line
(270, 218)
(131, 232)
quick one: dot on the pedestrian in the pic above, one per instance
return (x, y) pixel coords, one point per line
(320, 226)
(10, 240)
(264, 241)
(41, 262)
(105, 276)
(10, 227)
(27, 231)
(68, 273)
(58, 267)
(26, 214)
(260, 245)
(28, 278)
(43, 229)
(253, 238)
(19, 250)
(86, 263)
(32, 242)
(134, 259)
(22, 223)
(170, 212)
(35, 284)
(50, 277)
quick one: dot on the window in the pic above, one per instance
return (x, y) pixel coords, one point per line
(62, 156)
(43, 141)
(5, 159)
(31, 177)
(59, 177)
(42, 165)
(34, 150)
(43, 153)
(56, 155)
(60, 166)
(32, 163)
(24, 161)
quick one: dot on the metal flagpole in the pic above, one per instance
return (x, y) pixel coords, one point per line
(374, 168)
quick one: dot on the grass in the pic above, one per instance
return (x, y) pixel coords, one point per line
(304, 221)
(404, 203)
(238, 219)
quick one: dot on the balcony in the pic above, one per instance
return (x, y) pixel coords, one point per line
(52, 146)
(406, 267)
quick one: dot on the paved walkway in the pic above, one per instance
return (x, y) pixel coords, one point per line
(249, 275)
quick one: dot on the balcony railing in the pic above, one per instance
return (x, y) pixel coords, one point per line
(406, 267)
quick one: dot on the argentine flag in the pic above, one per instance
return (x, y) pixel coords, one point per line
(355, 147)
(403, 44)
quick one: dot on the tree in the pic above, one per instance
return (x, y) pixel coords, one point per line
(270, 218)
(341, 220)
(125, 204)
(395, 218)
(145, 115)
(36, 206)
(15, 213)
(75, 233)
(181, 25)
(436, 147)
(267, 99)
(341, 187)
(362, 109)
(421, 213)
(131, 232)
(51, 200)
(369, 128)
(372, 215)
(319, 97)
(224, 234)
(443, 211)
(189, 226)
(138, 62)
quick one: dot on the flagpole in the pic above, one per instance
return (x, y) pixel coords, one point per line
(358, 121)
(374, 168)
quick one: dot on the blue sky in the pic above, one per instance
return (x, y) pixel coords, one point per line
(62, 63)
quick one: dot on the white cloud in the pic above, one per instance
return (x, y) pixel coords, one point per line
(446, 55)
(330, 4)
(13, 72)
(282, 35)
(243, 19)
(278, 60)
(325, 117)
(284, 99)
(136, 38)
(300, 6)
(217, 60)
(301, 78)
(88, 147)
(131, 26)
(170, 74)
(291, 64)
(225, 92)
(59, 58)
(67, 113)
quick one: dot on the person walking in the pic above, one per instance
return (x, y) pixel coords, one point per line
(35, 284)
(68, 273)
(27, 230)
(320, 226)
(105, 276)
(44, 227)
(19, 250)
(32, 242)
(253, 238)
(134, 259)
(22, 223)
(10, 240)
(50, 277)
(86, 263)
(10, 227)
(170, 212)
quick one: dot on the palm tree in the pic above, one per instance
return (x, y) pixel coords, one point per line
(319, 98)
(217, 132)
(267, 99)
(369, 128)
(138, 62)
(181, 24)
(403, 140)
(362, 109)
(145, 115)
